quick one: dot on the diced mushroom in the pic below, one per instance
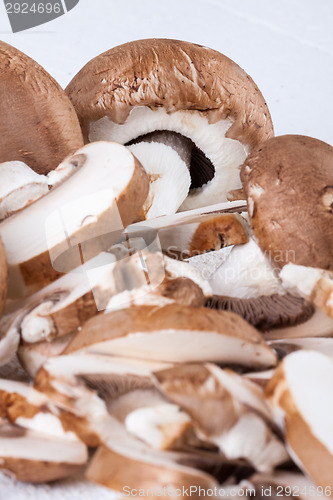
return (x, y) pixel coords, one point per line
(301, 396)
(204, 99)
(43, 129)
(76, 220)
(174, 333)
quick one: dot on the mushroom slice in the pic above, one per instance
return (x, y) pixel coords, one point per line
(22, 405)
(287, 346)
(20, 187)
(312, 283)
(301, 396)
(247, 284)
(238, 412)
(76, 220)
(178, 87)
(33, 356)
(319, 325)
(164, 281)
(124, 460)
(44, 128)
(174, 333)
(289, 179)
(35, 457)
(85, 386)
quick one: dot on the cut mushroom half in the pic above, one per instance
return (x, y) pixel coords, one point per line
(44, 128)
(36, 458)
(240, 419)
(206, 108)
(247, 284)
(288, 179)
(175, 333)
(312, 283)
(301, 396)
(76, 220)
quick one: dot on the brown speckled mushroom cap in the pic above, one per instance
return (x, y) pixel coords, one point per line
(288, 182)
(175, 75)
(38, 124)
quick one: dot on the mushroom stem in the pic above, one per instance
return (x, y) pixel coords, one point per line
(166, 158)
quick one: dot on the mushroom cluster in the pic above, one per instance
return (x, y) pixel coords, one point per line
(155, 336)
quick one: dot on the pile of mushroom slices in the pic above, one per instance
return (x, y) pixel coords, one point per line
(158, 334)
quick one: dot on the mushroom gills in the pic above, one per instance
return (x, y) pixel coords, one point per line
(266, 312)
(247, 284)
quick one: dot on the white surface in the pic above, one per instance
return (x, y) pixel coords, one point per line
(285, 45)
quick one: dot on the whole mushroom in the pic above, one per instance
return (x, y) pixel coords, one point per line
(38, 125)
(189, 113)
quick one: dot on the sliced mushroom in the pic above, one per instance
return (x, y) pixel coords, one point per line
(301, 396)
(174, 333)
(287, 346)
(61, 308)
(312, 283)
(287, 180)
(124, 460)
(22, 405)
(237, 410)
(20, 187)
(247, 284)
(44, 128)
(33, 356)
(85, 386)
(155, 85)
(76, 220)
(319, 325)
(36, 458)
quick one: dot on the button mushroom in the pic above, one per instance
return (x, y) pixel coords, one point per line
(288, 183)
(194, 103)
(38, 123)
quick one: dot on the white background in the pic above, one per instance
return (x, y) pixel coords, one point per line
(285, 45)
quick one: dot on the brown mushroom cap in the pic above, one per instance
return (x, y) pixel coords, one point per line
(173, 74)
(289, 187)
(38, 123)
